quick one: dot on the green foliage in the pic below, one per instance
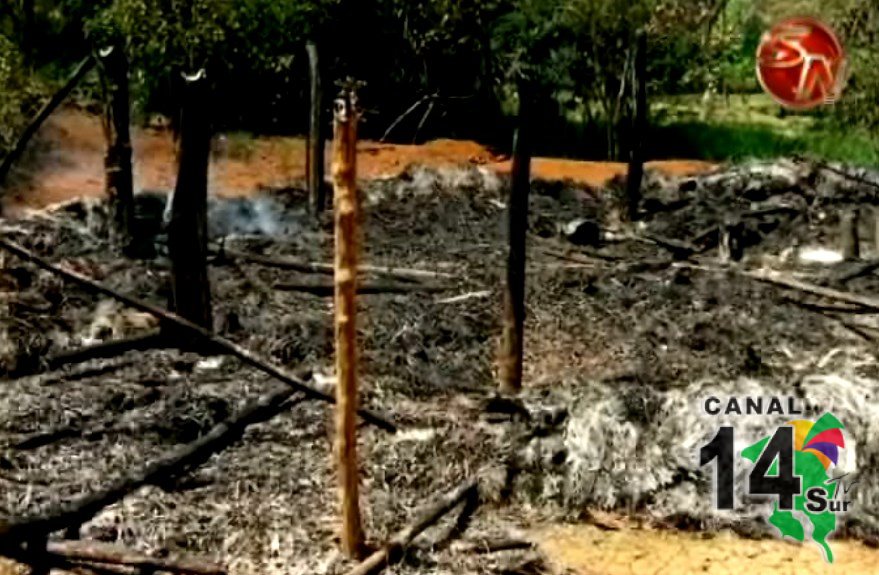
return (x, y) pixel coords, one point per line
(753, 127)
(459, 59)
(528, 38)
(722, 142)
(21, 94)
(859, 28)
(244, 45)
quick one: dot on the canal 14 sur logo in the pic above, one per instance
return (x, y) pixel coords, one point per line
(794, 466)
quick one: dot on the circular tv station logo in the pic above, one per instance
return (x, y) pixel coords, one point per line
(801, 63)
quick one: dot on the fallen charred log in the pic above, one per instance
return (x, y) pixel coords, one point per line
(110, 554)
(327, 288)
(304, 266)
(108, 349)
(393, 550)
(66, 515)
(216, 341)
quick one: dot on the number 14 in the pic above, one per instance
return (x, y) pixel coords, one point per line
(783, 483)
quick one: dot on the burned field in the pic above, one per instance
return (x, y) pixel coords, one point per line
(629, 328)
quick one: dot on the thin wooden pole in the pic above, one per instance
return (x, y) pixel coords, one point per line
(79, 73)
(512, 338)
(346, 207)
(315, 158)
(119, 177)
(876, 230)
(849, 241)
(639, 127)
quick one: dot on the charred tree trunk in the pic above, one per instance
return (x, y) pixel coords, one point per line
(347, 212)
(112, 554)
(187, 230)
(315, 157)
(117, 163)
(731, 246)
(850, 244)
(512, 338)
(639, 127)
(876, 231)
(29, 30)
(82, 69)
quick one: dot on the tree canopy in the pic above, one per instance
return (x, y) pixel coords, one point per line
(460, 58)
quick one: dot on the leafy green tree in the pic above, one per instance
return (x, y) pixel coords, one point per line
(253, 50)
(604, 33)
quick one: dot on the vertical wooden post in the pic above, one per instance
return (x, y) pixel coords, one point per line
(731, 248)
(876, 231)
(29, 31)
(639, 127)
(117, 163)
(850, 244)
(187, 229)
(315, 157)
(347, 212)
(512, 338)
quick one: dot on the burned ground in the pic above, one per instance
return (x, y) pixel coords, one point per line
(623, 338)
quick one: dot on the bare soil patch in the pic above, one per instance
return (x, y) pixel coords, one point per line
(66, 162)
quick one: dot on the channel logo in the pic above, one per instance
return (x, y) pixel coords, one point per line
(794, 466)
(801, 64)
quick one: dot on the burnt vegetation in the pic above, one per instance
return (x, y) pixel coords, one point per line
(524, 351)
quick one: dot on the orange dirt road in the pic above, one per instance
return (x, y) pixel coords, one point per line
(66, 161)
(625, 550)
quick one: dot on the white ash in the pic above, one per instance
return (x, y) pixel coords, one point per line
(638, 448)
(424, 181)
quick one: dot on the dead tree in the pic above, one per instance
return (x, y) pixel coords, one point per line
(83, 68)
(315, 157)
(117, 163)
(187, 230)
(639, 127)
(512, 338)
(347, 212)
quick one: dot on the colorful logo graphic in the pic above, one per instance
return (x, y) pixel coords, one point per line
(818, 439)
(816, 446)
(801, 63)
(794, 465)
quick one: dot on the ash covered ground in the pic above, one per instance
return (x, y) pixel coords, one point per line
(629, 328)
